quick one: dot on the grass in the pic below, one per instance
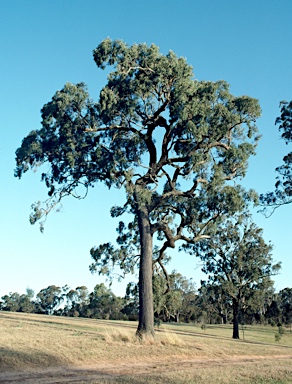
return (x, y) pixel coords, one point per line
(237, 374)
(179, 354)
(251, 333)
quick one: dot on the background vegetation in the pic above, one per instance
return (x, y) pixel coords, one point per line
(208, 305)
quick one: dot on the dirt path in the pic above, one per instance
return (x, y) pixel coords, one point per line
(90, 373)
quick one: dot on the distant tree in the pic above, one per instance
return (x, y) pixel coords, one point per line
(131, 307)
(174, 300)
(188, 291)
(159, 290)
(30, 293)
(26, 303)
(285, 301)
(19, 303)
(214, 301)
(255, 309)
(174, 144)
(283, 192)
(48, 299)
(11, 302)
(273, 312)
(76, 302)
(239, 261)
(104, 304)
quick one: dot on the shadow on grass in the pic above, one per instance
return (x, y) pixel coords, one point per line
(13, 360)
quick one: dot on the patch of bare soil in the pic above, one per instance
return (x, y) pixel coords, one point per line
(90, 373)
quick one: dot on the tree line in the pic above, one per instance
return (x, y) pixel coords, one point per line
(179, 148)
(182, 303)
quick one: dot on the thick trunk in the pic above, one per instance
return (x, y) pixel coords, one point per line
(146, 312)
(235, 305)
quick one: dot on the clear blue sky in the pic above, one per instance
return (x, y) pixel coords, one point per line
(45, 44)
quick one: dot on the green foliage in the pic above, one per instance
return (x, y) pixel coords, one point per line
(285, 304)
(206, 136)
(283, 187)
(281, 330)
(214, 303)
(208, 305)
(239, 262)
(76, 302)
(238, 258)
(104, 304)
(19, 303)
(11, 302)
(172, 142)
(175, 299)
(50, 298)
(203, 327)
(278, 336)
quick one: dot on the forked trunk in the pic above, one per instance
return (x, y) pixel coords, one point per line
(146, 312)
(235, 305)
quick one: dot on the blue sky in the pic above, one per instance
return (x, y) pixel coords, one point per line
(45, 44)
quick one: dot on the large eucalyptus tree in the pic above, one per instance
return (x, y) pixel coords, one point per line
(173, 142)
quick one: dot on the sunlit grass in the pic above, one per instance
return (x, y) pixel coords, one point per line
(248, 333)
(36, 341)
(255, 373)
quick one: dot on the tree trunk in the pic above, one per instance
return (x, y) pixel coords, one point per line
(223, 318)
(146, 312)
(235, 305)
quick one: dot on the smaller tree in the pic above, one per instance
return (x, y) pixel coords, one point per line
(273, 312)
(239, 261)
(285, 299)
(255, 310)
(215, 303)
(76, 302)
(104, 304)
(11, 302)
(26, 303)
(173, 298)
(283, 187)
(48, 299)
(131, 307)
(19, 303)
(168, 301)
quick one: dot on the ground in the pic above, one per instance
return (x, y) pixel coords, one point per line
(37, 349)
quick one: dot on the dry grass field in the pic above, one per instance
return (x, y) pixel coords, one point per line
(46, 349)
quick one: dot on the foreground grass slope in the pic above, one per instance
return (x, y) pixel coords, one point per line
(32, 342)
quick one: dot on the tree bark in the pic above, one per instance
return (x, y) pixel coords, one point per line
(235, 305)
(146, 312)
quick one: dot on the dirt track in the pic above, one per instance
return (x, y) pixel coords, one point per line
(91, 373)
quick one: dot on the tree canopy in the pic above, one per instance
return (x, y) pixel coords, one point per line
(175, 302)
(239, 262)
(283, 187)
(174, 143)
